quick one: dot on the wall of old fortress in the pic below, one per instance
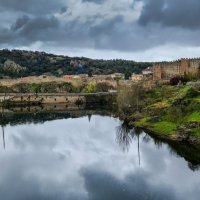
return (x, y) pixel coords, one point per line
(167, 70)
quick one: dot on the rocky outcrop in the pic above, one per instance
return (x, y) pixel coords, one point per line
(11, 66)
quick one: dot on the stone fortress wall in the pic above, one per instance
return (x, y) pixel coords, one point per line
(167, 70)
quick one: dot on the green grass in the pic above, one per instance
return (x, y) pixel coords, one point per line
(180, 93)
(142, 122)
(197, 99)
(194, 117)
(160, 105)
(184, 90)
(165, 96)
(164, 127)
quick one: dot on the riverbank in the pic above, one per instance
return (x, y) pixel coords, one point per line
(168, 112)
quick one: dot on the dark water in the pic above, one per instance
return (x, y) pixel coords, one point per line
(93, 158)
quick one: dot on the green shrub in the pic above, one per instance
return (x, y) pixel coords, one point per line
(36, 88)
(90, 88)
(66, 87)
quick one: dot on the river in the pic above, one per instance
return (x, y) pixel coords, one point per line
(92, 157)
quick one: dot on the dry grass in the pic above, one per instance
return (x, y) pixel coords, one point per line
(75, 82)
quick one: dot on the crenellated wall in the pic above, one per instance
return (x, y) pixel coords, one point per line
(167, 70)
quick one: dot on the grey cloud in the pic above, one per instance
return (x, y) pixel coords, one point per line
(20, 22)
(28, 30)
(18, 183)
(5, 36)
(94, 1)
(176, 13)
(161, 22)
(36, 25)
(113, 34)
(40, 7)
(101, 185)
(26, 140)
(63, 10)
(119, 35)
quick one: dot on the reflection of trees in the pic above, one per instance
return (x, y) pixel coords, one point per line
(191, 153)
(125, 134)
(193, 167)
(146, 138)
(19, 115)
(89, 117)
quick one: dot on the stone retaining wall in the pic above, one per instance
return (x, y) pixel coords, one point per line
(54, 98)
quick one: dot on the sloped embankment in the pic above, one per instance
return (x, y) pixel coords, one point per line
(172, 113)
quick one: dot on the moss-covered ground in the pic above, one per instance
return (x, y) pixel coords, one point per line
(171, 111)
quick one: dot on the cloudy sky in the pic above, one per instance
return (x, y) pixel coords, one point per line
(145, 30)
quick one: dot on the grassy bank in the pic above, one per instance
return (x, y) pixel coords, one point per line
(169, 112)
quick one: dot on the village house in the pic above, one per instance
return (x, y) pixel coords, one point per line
(68, 76)
(137, 77)
(147, 71)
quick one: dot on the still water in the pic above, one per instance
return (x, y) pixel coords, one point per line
(92, 157)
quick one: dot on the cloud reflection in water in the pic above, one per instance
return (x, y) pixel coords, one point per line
(80, 159)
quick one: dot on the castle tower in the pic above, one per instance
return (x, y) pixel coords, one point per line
(157, 72)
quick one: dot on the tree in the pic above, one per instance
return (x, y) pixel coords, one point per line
(90, 73)
(36, 88)
(127, 74)
(130, 99)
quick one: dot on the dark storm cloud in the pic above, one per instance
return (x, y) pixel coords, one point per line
(112, 34)
(27, 30)
(36, 26)
(176, 13)
(101, 185)
(32, 6)
(96, 24)
(20, 22)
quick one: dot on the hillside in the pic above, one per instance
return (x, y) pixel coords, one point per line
(19, 63)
